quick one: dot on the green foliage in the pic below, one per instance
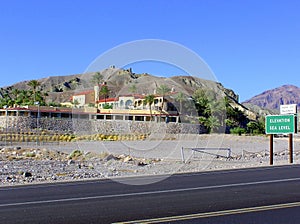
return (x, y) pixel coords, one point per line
(107, 106)
(53, 104)
(149, 99)
(255, 128)
(97, 78)
(76, 103)
(34, 84)
(211, 109)
(238, 131)
(13, 97)
(163, 90)
(235, 117)
(104, 91)
(75, 154)
(201, 102)
(180, 97)
(212, 123)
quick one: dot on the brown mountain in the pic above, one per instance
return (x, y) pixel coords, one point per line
(119, 81)
(272, 99)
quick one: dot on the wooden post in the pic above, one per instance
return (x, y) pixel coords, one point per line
(271, 149)
(291, 147)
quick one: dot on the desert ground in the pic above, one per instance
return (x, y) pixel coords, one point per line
(27, 164)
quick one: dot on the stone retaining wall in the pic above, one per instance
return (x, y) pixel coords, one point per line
(86, 127)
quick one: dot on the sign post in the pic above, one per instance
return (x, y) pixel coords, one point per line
(290, 109)
(271, 148)
(291, 147)
(280, 124)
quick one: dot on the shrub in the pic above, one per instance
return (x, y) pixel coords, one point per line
(238, 130)
(75, 154)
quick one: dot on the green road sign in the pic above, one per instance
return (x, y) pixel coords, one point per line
(280, 124)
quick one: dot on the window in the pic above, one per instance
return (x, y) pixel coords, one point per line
(139, 118)
(129, 118)
(118, 117)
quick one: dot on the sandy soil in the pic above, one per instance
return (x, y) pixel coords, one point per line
(53, 163)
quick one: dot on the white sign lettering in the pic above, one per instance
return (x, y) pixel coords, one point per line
(288, 109)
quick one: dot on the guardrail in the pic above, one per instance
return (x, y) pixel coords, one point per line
(204, 150)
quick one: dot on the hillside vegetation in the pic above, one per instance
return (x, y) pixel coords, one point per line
(197, 100)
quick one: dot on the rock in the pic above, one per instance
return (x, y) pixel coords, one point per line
(70, 161)
(142, 163)
(127, 159)
(27, 174)
(109, 157)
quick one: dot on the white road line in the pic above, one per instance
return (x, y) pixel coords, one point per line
(215, 214)
(148, 193)
(147, 177)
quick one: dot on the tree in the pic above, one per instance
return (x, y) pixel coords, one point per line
(213, 123)
(15, 93)
(76, 103)
(97, 78)
(104, 91)
(180, 97)
(163, 91)
(6, 100)
(25, 97)
(201, 102)
(217, 108)
(34, 84)
(149, 99)
(256, 127)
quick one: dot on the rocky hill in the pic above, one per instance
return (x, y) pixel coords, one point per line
(272, 99)
(120, 82)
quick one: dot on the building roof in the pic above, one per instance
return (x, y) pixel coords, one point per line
(107, 100)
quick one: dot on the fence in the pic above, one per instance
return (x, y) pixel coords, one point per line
(208, 151)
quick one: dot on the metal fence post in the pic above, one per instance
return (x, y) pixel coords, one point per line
(182, 155)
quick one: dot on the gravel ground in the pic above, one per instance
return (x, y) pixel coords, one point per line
(95, 160)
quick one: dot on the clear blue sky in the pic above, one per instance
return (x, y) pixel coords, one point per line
(251, 45)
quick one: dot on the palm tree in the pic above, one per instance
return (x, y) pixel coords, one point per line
(149, 99)
(6, 100)
(180, 97)
(34, 84)
(213, 123)
(104, 91)
(97, 78)
(24, 97)
(15, 93)
(17, 96)
(163, 90)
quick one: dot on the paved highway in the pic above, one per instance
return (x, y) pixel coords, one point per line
(260, 195)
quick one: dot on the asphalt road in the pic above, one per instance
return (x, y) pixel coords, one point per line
(260, 195)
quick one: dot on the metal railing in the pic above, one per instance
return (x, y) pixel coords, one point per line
(208, 151)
